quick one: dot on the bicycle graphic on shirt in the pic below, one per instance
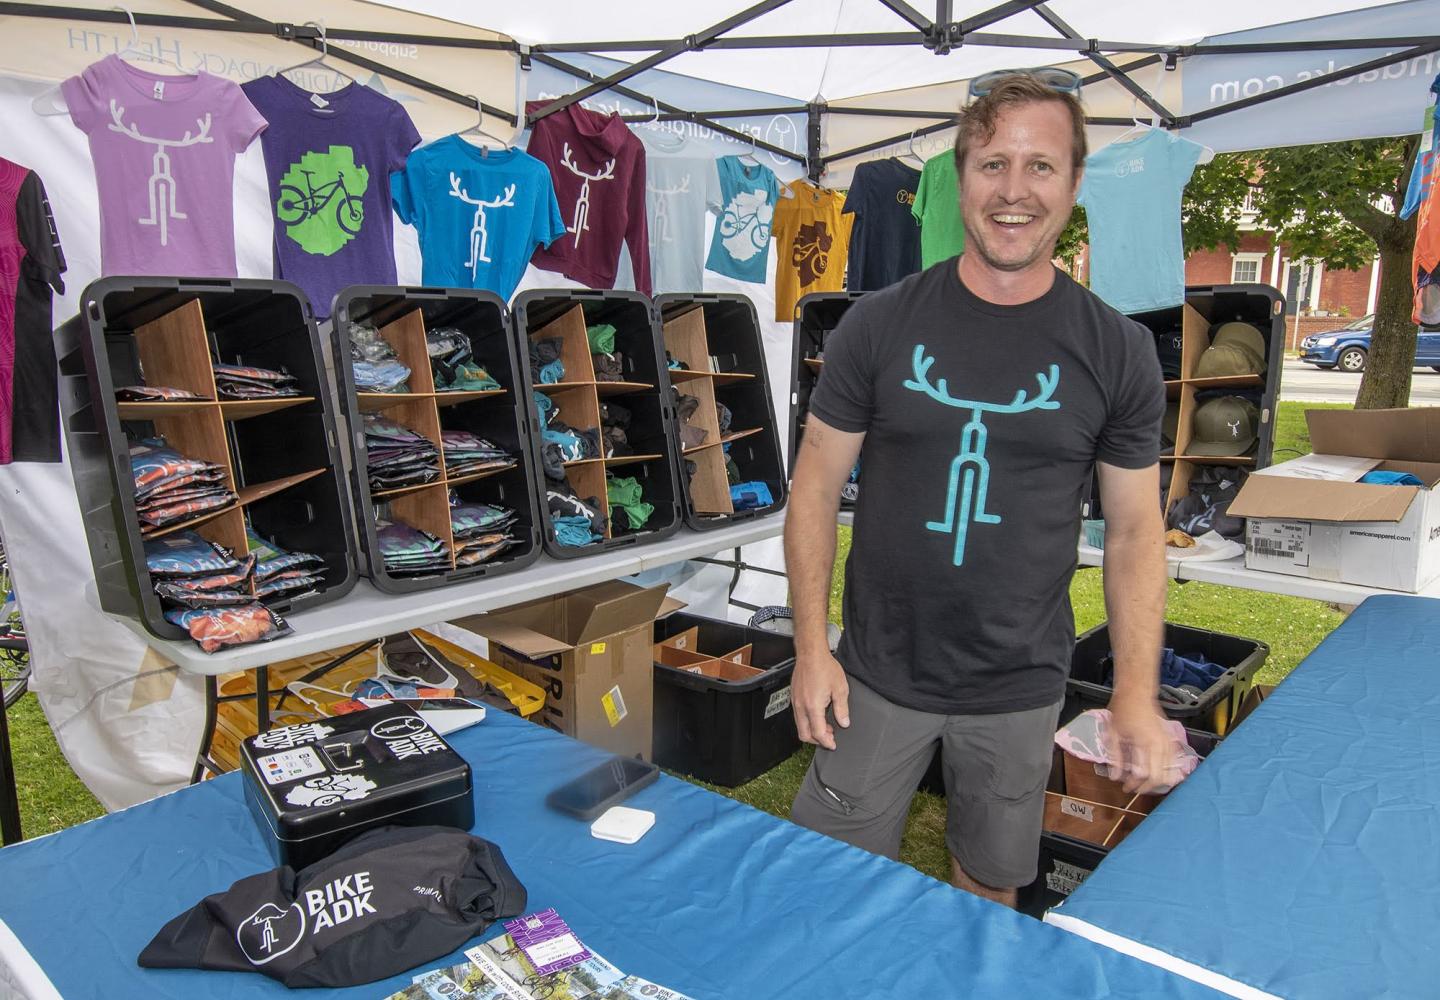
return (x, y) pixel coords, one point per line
(295, 205)
(582, 203)
(478, 233)
(970, 469)
(732, 223)
(162, 185)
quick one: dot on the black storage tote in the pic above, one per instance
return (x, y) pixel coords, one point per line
(278, 455)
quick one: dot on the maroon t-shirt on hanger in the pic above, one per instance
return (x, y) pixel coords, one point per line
(598, 166)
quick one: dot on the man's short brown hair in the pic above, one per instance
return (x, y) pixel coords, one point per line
(977, 122)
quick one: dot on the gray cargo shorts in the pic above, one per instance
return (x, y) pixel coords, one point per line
(995, 769)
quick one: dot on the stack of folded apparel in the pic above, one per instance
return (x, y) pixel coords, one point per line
(722, 413)
(1184, 676)
(1206, 507)
(208, 592)
(467, 453)
(246, 382)
(279, 573)
(170, 487)
(675, 365)
(482, 531)
(396, 456)
(1235, 349)
(625, 493)
(577, 522)
(685, 408)
(615, 430)
(154, 394)
(453, 364)
(750, 496)
(408, 551)
(374, 363)
(608, 362)
(546, 368)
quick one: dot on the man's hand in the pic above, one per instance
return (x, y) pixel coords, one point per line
(1142, 745)
(819, 683)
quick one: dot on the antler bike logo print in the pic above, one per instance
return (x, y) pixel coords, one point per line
(660, 231)
(970, 469)
(162, 185)
(321, 201)
(478, 235)
(582, 203)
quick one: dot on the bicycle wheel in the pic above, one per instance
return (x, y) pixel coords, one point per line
(729, 223)
(290, 206)
(350, 213)
(760, 235)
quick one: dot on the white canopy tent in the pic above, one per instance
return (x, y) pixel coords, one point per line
(126, 721)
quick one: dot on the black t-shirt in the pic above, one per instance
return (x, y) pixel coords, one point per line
(957, 585)
(885, 240)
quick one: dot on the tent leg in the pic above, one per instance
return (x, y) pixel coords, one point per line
(9, 802)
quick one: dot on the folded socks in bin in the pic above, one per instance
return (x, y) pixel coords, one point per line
(408, 551)
(351, 918)
(373, 362)
(396, 456)
(248, 382)
(467, 454)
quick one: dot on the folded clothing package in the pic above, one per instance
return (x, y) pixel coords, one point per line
(248, 382)
(154, 394)
(453, 364)
(396, 456)
(546, 367)
(467, 453)
(409, 551)
(481, 531)
(389, 900)
(373, 362)
(169, 487)
(215, 628)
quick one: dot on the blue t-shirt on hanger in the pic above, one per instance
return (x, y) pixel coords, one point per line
(740, 247)
(480, 213)
(1131, 193)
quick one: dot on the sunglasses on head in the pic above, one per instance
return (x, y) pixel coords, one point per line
(1061, 80)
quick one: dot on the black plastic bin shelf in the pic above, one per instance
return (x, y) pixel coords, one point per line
(1242, 659)
(816, 317)
(734, 349)
(403, 315)
(720, 731)
(582, 401)
(1065, 862)
(280, 455)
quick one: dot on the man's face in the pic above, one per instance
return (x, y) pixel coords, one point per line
(1017, 190)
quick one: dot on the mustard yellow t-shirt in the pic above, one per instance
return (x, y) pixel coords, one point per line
(812, 240)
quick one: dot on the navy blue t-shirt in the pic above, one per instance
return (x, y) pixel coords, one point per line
(885, 240)
(983, 424)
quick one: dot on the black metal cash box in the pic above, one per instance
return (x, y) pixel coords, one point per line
(316, 785)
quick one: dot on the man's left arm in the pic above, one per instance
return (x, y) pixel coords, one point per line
(1134, 577)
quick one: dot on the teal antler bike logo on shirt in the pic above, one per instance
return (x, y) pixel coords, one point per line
(970, 469)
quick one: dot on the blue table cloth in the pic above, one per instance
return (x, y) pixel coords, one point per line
(717, 900)
(1302, 859)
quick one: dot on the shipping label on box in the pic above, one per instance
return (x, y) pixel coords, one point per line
(1277, 546)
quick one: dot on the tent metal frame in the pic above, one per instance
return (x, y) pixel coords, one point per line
(939, 34)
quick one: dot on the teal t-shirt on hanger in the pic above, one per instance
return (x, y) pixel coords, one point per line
(480, 213)
(740, 247)
(1131, 193)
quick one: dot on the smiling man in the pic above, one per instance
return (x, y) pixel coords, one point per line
(983, 391)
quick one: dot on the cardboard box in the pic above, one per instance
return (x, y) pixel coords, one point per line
(1310, 518)
(590, 651)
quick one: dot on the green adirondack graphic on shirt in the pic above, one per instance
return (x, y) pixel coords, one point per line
(321, 200)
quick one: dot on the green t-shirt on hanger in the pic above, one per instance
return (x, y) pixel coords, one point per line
(937, 209)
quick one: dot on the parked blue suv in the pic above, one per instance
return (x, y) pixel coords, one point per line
(1348, 348)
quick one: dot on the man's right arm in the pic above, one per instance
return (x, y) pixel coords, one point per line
(823, 464)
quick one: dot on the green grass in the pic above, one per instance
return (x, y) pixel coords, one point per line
(52, 798)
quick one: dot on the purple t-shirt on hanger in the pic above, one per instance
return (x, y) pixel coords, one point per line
(329, 158)
(164, 148)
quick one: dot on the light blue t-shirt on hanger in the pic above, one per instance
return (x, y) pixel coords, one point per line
(480, 213)
(1131, 193)
(740, 247)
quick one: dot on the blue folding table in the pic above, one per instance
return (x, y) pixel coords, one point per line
(1302, 859)
(717, 900)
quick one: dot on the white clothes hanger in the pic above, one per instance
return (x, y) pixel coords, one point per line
(52, 101)
(318, 60)
(750, 156)
(478, 129)
(911, 154)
